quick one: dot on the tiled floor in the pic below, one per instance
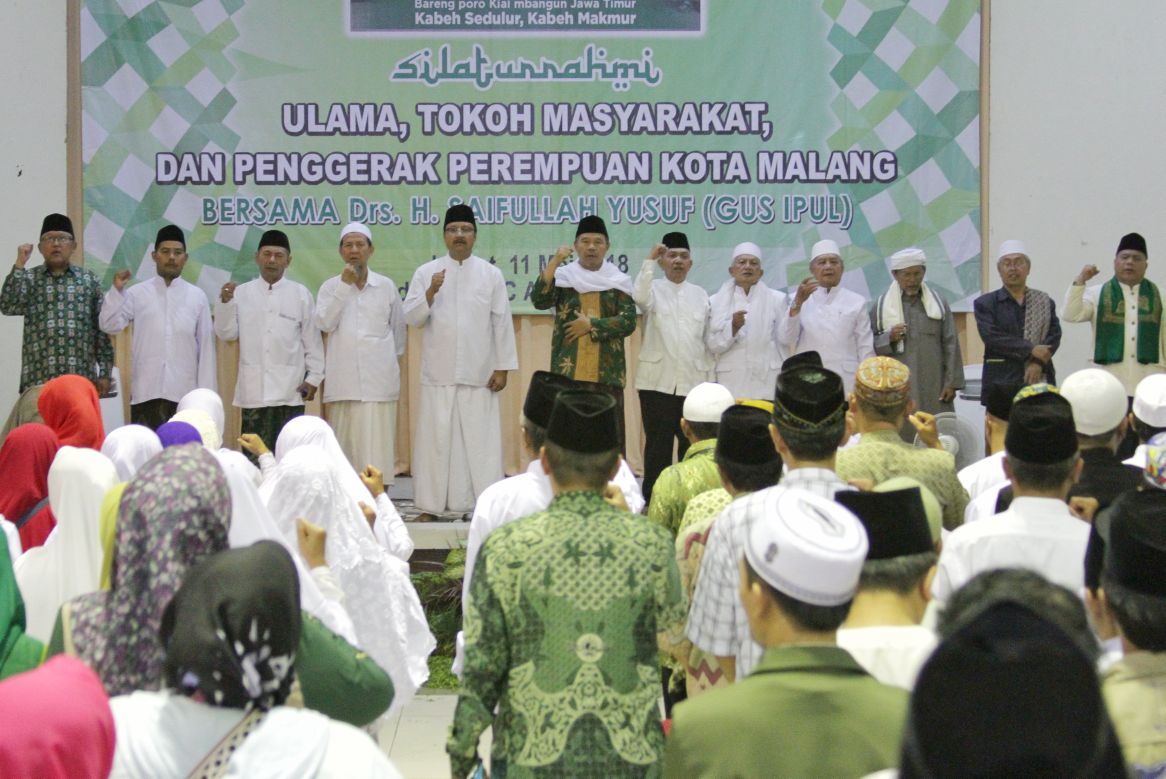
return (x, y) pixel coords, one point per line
(415, 738)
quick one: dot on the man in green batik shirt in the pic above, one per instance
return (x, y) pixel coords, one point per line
(697, 472)
(60, 303)
(561, 625)
(594, 313)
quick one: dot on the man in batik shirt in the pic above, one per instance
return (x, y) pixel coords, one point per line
(561, 626)
(60, 303)
(594, 313)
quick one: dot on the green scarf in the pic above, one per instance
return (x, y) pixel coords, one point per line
(1109, 343)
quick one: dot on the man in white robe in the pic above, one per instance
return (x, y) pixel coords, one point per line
(281, 355)
(744, 326)
(827, 319)
(362, 314)
(173, 348)
(460, 303)
(673, 358)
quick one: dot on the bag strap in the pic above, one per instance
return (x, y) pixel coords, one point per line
(214, 765)
(32, 512)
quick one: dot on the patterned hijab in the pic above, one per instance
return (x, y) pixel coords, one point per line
(70, 406)
(25, 459)
(175, 512)
(231, 631)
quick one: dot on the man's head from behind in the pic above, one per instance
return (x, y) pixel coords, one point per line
(581, 451)
(809, 413)
(1040, 447)
(901, 557)
(1099, 407)
(536, 408)
(803, 558)
(882, 392)
(703, 406)
(1133, 587)
(745, 455)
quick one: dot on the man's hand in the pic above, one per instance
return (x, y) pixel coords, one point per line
(253, 444)
(578, 328)
(434, 286)
(1084, 508)
(947, 395)
(1088, 272)
(102, 383)
(23, 252)
(372, 478)
(307, 391)
(924, 424)
(1033, 373)
(658, 252)
(370, 514)
(497, 381)
(898, 331)
(120, 278)
(227, 293)
(805, 289)
(613, 496)
(349, 274)
(738, 321)
(1042, 353)
(312, 540)
(862, 485)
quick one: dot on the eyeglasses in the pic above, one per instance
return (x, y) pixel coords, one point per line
(58, 240)
(459, 231)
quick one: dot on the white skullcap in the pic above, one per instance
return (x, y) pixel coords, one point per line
(825, 246)
(1150, 400)
(908, 258)
(748, 247)
(356, 227)
(1011, 247)
(805, 546)
(706, 402)
(1098, 400)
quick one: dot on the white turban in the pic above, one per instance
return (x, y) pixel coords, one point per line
(908, 258)
(1011, 247)
(356, 227)
(825, 246)
(748, 247)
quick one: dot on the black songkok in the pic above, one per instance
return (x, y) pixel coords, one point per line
(1041, 429)
(1132, 241)
(169, 233)
(1134, 532)
(584, 422)
(460, 213)
(275, 238)
(895, 521)
(802, 358)
(808, 398)
(591, 224)
(675, 240)
(57, 223)
(540, 396)
(743, 437)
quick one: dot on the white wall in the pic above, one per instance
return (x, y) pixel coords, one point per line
(32, 155)
(1076, 156)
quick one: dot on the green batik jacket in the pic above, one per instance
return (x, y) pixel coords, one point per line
(60, 324)
(599, 357)
(680, 483)
(561, 628)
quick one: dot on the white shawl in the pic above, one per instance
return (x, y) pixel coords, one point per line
(578, 278)
(890, 306)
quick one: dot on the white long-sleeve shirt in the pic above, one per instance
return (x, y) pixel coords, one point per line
(1081, 306)
(279, 343)
(673, 357)
(366, 337)
(173, 348)
(468, 332)
(833, 322)
(748, 362)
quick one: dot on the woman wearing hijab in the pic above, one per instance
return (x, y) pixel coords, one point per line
(70, 406)
(177, 434)
(389, 528)
(208, 401)
(229, 637)
(379, 596)
(18, 651)
(25, 459)
(71, 565)
(129, 447)
(55, 723)
(174, 513)
(202, 422)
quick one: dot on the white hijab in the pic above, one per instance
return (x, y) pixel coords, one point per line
(204, 423)
(70, 566)
(313, 431)
(251, 522)
(390, 623)
(208, 401)
(130, 447)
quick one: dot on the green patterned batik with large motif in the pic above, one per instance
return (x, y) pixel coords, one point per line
(561, 635)
(598, 357)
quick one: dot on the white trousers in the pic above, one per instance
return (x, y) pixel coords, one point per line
(457, 450)
(366, 431)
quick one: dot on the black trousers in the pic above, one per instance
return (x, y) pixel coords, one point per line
(153, 413)
(661, 413)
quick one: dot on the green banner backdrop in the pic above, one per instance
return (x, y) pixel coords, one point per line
(731, 120)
